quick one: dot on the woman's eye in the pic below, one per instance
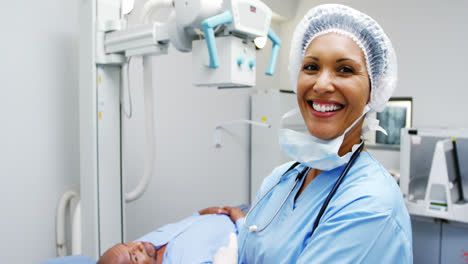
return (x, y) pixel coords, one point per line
(310, 67)
(346, 69)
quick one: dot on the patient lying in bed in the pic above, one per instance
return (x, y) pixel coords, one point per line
(192, 240)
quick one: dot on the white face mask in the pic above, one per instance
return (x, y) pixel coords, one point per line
(314, 152)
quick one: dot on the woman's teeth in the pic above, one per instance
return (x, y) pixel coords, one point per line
(326, 108)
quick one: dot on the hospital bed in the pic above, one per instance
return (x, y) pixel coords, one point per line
(79, 259)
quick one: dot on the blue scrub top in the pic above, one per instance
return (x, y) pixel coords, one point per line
(365, 222)
(195, 239)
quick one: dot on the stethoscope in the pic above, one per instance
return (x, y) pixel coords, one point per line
(254, 228)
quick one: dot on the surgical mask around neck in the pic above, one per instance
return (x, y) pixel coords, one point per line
(312, 151)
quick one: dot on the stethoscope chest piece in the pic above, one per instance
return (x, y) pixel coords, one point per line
(253, 228)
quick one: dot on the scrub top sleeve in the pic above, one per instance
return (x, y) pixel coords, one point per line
(358, 237)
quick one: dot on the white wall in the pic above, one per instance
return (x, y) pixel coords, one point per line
(39, 141)
(430, 40)
(285, 9)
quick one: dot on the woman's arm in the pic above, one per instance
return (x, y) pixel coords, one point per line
(358, 237)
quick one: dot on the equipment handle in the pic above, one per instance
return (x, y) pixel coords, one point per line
(208, 25)
(274, 52)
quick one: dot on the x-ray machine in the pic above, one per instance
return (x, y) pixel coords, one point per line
(220, 36)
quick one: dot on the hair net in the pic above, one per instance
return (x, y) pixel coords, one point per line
(366, 32)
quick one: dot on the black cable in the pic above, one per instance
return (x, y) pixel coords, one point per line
(302, 173)
(458, 178)
(335, 187)
(291, 168)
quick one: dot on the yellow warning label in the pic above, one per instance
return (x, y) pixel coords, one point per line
(99, 79)
(100, 115)
(264, 119)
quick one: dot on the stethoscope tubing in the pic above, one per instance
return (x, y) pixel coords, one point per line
(254, 228)
(336, 185)
(353, 158)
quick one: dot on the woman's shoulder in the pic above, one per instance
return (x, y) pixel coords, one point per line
(369, 190)
(281, 170)
(370, 186)
(368, 171)
(276, 174)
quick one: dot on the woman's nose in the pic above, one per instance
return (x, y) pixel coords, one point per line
(324, 83)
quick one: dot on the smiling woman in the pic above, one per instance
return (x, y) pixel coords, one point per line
(335, 204)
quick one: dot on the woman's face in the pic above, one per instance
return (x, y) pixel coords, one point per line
(333, 85)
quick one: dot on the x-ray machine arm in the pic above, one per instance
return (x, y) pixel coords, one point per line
(219, 33)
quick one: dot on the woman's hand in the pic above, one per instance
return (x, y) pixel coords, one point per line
(213, 210)
(234, 213)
